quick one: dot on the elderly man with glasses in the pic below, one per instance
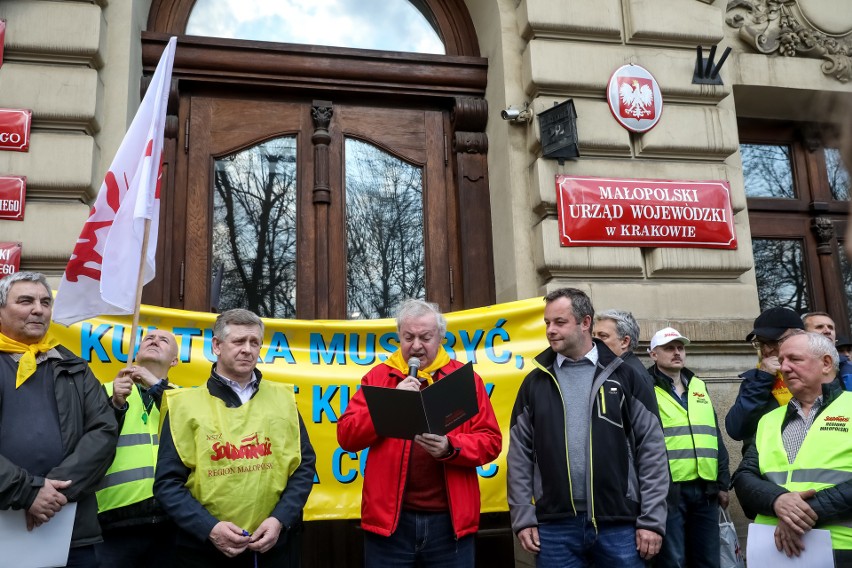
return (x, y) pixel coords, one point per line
(762, 389)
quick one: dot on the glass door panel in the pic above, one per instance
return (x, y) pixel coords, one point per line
(254, 229)
(384, 231)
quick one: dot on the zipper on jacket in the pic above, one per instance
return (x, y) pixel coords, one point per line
(603, 402)
(591, 496)
(564, 425)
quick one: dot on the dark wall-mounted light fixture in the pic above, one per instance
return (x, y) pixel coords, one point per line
(705, 72)
(558, 127)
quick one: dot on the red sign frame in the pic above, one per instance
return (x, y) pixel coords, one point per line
(15, 129)
(10, 258)
(13, 193)
(614, 212)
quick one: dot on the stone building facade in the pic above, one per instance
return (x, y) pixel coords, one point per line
(78, 65)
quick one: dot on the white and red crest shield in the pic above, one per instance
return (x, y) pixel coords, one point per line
(634, 98)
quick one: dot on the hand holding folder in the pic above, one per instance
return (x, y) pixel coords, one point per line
(437, 409)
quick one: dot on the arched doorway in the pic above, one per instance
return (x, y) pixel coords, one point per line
(279, 156)
(232, 96)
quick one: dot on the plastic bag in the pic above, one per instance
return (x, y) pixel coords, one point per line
(730, 554)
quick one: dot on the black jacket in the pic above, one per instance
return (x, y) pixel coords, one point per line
(193, 520)
(627, 474)
(89, 433)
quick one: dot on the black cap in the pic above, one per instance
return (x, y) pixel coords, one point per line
(772, 323)
(843, 341)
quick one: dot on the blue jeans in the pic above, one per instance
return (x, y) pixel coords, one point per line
(692, 530)
(573, 542)
(421, 539)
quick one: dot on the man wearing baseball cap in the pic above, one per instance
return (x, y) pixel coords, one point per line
(698, 460)
(762, 389)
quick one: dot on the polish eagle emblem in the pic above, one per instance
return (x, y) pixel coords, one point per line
(636, 99)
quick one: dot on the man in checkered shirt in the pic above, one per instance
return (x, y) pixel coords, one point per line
(798, 473)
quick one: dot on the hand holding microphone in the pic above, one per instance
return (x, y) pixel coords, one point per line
(411, 382)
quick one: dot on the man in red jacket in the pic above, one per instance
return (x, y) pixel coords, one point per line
(420, 503)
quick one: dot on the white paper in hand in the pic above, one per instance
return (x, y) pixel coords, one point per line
(43, 547)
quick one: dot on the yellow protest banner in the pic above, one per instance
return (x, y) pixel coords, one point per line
(325, 360)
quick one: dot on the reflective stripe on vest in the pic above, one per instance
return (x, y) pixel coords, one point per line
(691, 443)
(824, 459)
(239, 458)
(130, 478)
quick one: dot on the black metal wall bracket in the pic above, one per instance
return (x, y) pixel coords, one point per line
(705, 71)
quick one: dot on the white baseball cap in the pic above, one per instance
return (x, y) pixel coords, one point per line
(667, 335)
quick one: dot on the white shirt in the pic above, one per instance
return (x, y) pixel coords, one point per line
(246, 393)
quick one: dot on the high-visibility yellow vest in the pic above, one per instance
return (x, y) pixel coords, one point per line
(130, 478)
(824, 460)
(239, 458)
(691, 443)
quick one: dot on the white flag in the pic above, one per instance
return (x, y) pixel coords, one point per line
(101, 275)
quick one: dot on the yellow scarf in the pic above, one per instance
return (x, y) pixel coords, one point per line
(779, 389)
(397, 362)
(27, 364)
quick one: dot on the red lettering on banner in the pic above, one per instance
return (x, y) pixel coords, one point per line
(250, 448)
(85, 260)
(641, 212)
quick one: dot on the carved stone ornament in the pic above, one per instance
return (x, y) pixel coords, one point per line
(790, 28)
(823, 229)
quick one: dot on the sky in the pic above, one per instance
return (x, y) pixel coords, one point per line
(391, 25)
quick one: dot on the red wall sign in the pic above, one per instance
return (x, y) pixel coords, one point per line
(13, 191)
(10, 258)
(644, 213)
(15, 129)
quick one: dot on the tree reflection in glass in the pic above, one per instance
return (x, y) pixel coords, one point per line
(767, 171)
(254, 229)
(779, 267)
(838, 176)
(846, 275)
(384, 231)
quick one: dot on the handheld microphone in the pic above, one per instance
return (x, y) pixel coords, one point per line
(413, 367)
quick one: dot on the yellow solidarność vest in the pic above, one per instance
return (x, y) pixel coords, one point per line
(130, 478)
(691, 443)
(239, 458)
(824, 459)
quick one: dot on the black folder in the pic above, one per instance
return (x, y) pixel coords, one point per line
(437, 409)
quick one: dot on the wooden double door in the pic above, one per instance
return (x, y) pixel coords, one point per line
(309, 208)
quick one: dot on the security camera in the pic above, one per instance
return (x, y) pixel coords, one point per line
(510, 113)
(517, 114)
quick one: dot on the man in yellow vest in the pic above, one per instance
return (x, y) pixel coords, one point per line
(698, 461)
(137, 532)
(797, 473)
(235, 465)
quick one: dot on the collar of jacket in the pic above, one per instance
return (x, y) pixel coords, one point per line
(830, 392)
(220, 389)
(548, 357)
(69, 361)
(664, 381)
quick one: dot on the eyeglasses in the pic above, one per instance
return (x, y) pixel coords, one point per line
(772, 344)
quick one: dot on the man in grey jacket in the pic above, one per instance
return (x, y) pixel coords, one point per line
(57, 430)
(587, 470)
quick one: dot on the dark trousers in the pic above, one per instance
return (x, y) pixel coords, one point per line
(140, 546)
(81, 557)
(287, 554)
(692, 530)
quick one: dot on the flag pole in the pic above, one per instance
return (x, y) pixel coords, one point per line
(131, 354)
